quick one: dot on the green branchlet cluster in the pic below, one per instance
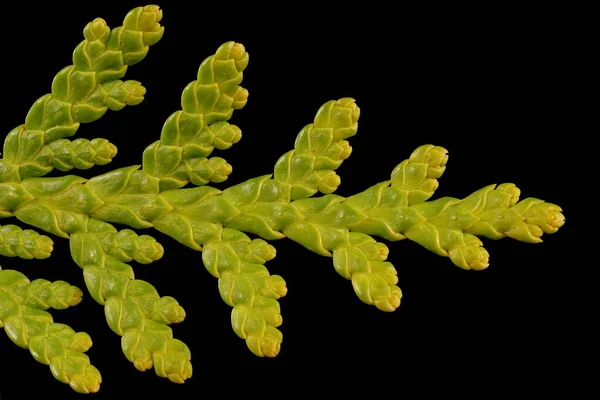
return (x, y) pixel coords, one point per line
(169, 192)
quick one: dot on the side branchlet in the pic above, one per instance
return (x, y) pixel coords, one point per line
(191, 134)
(82, 93)
(28, 325)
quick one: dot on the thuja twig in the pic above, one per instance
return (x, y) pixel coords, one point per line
(160, 193)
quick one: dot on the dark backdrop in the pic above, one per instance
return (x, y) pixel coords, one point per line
(486, 84)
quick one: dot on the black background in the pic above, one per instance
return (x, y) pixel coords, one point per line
(488, 85)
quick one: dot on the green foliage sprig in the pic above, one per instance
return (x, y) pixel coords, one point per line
(169, 192)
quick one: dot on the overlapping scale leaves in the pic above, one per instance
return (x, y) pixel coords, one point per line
(170, 192)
